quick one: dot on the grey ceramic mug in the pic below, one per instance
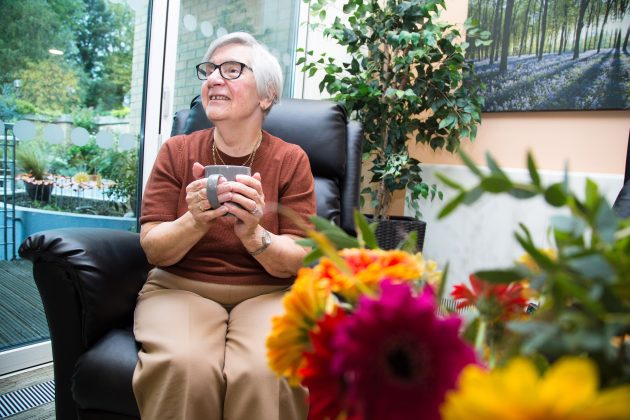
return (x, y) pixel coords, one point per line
(214, 172)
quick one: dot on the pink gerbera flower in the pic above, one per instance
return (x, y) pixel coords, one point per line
(397, 356)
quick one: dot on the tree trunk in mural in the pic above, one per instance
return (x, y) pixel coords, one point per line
(578, 31)
(507, 30)
(543, 30)
(601, 33)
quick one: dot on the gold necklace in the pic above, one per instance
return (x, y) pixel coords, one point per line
(248, 162)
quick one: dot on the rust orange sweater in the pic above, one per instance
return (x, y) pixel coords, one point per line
(219, 257)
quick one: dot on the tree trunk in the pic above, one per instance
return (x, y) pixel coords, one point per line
(538, 30)
(500, 31)
(543, 31)
(578, 30)
(505, 46)
(496, 25)
(601, 32)
(525, 28)
(625, 41)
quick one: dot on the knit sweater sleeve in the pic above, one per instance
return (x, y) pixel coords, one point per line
(161, 195)
(297, 192)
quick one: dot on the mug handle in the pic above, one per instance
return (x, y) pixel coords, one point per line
(211, 190)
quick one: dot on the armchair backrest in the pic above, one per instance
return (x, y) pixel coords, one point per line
(332, 143)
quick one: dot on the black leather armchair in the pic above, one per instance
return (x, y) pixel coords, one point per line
(89, 278)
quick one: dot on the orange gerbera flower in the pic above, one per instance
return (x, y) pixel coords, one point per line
(307, 301)
(371, 266)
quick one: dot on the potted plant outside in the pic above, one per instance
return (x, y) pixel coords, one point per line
(32, 159)
(406, 80)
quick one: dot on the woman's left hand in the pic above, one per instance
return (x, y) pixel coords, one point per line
(247, 204)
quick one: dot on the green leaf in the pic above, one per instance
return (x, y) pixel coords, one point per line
(494, 167)
(313, 256)
(453, 184)
(500, 276)
(473, 195)
(593, 266)
(470, 164)
(568, 224)
(533, 172)
(496, 184)
(366, 235)
(410, 243)
(452, 205)
(556, 195)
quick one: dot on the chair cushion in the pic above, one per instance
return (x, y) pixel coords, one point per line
(103, 374)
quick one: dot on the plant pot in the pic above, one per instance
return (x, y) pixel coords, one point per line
(39, 192)
(391, 232)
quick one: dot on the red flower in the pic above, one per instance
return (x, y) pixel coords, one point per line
(493, 301)
(326, 388)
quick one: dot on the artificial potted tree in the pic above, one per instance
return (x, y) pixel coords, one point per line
(405, 80)
(32, 159)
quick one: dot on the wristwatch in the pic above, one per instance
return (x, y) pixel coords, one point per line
(266, 241)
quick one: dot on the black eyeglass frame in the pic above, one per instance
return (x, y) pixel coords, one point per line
(201, 71)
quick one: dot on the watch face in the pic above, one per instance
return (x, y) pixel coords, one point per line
(266, 238)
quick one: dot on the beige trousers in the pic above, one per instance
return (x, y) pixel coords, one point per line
(203, 352)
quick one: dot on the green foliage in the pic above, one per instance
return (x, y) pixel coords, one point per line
(104, 43)
(28, 28)
(585, 289)
(50, 85)
(404, 80)
(86, 118)
(32, 157)
(96, 37)
(120, 112)
(122, 168)
(23, 107)
(84, 158)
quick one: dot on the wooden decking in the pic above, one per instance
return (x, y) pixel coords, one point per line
(22, 319)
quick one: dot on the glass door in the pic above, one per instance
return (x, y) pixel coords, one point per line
(72, 75)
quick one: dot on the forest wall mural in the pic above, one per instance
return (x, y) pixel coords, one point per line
(553, 54)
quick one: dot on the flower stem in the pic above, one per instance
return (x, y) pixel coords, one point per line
(481, 336)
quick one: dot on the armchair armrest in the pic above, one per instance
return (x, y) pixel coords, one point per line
(88, 280)
(93, 274)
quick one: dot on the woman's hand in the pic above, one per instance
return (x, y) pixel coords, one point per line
(197, 199)
(247, 204)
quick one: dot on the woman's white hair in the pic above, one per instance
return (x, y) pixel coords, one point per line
(265, 66)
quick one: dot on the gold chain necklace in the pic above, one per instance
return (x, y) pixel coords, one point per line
(248, 162)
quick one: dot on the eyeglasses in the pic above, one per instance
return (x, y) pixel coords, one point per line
(229, 70)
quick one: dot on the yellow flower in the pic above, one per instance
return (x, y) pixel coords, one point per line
(529, 262)
(568, 390)
(307, 301)
(80, 177)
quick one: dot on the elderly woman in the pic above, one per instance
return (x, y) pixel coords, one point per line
(205, 311)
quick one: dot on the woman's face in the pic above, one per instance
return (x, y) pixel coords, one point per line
(232, 100)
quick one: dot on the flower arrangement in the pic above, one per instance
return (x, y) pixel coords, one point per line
(372, 334)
